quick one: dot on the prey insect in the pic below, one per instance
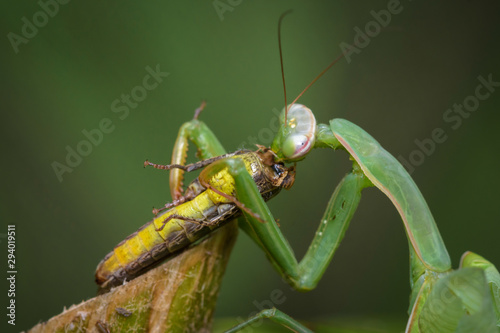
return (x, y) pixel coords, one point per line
(241, 182)
(207, 204)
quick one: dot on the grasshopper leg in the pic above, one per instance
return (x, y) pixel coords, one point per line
(192, 166)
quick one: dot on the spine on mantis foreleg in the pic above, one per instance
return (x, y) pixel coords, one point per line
(206, 142)
(388, 175)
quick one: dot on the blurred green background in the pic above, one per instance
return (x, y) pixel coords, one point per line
(64, 80)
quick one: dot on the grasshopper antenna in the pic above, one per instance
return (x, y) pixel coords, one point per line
(281, 55)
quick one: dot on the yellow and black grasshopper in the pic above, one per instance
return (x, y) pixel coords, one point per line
(207, 204)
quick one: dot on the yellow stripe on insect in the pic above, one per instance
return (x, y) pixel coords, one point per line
(111, 265)
(123, 253)
(135, 246)
(170, 227)
(149, 236)
(192, 209)
(202, 202)
(224, 182)
(199, 204)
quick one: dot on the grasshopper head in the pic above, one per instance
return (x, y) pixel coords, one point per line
(296, 137)
(276, 172)
(286, 175)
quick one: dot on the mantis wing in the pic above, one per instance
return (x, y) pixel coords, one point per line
(386, 173)
(492, 276)
(459, 302)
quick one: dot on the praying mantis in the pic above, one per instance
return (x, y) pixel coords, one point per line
(442, 300)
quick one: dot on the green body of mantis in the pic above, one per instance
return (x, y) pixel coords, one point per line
(442, 299)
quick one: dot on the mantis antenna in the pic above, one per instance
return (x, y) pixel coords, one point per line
(287, 107)
(281, 54)
(316, 78)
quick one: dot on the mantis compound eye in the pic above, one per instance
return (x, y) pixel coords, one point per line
(301, 134)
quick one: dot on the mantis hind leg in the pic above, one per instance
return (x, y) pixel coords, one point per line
(276, 316)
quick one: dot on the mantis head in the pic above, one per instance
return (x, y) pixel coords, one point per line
(296, 135)
(297, 132)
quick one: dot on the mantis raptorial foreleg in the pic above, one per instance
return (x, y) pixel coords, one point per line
(303, 275)
(203, 138)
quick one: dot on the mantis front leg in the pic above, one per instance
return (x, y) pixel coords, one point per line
(203, 138)
(305, 275)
